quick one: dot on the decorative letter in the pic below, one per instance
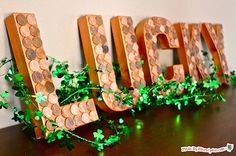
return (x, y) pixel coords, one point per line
(189, 50)
(31, 62)
(154, 33)
(98, 56)
(213, 35)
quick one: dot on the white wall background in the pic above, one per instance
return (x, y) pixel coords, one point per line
(57, 20)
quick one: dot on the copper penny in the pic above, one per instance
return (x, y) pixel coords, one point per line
(34, 31)
(27, 42)
(102, 68)
(105, 48)
(153, 31)
(129, 48)
(104, 78)
(66, 111)
(148, 36)
(135, 74)
(78, 120)
(49, 125)
(106, 86)
(24, 31)
(34, 65)
(90, 105)
(125, 29)
(128, 38)
(143, 82)
(147, 27)
(96, 39)
(30, 54)
(153, 62)
(21, 19)
(131, 57)
(136, 92)
(85, 118)
(141, 74)
(98, 49)
(93, 29)
(129, 21)
(131, 29)
(47, 112)
(43, 64)
(49, 86)
(99, 20)
(162, 28)
(31, 20)
(44, 103)
(40, 52)
(157, 29)
(133, 38)
(39, 87)
(75, 109)
(93, 115)
(154, 46)
(136, 84)
(82, 107)
(69, 123)
(101, 30)
(167, 30)
(52, 98)
(103, 39)
(156, 54)
(132, 66)
(112, 77)
(37, 42)
(114, 86)
(111, 97)
(92, 20)
(37, 77)
(100, 59)
(107, 57)
(135, 47)
(138, 65)
(124, 20)
(109, 68)
(60, 120)
(47, 75)
(56, 110)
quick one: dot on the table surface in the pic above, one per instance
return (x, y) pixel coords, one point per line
(165, 130)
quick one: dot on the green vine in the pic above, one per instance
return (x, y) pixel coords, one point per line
(76, 86)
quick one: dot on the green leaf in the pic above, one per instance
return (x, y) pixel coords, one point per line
(18, 77)
(112, 140)
(40, 97)
(99, 98)
(27, 114)
(98, 135)
(198, 101)
(51, 137)
(60, 135)
(4, 105)
(38, 114)
(121, 121)
(4, 94)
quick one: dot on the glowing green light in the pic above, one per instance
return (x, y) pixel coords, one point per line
(139, 124)
(177, 122)
(188, 136)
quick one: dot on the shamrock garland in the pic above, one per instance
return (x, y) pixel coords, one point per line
(76, 86)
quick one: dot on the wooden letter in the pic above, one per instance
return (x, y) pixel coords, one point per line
(189, 51)
(154, 33)
(213, 35)
(98, 56)
(31, 62)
